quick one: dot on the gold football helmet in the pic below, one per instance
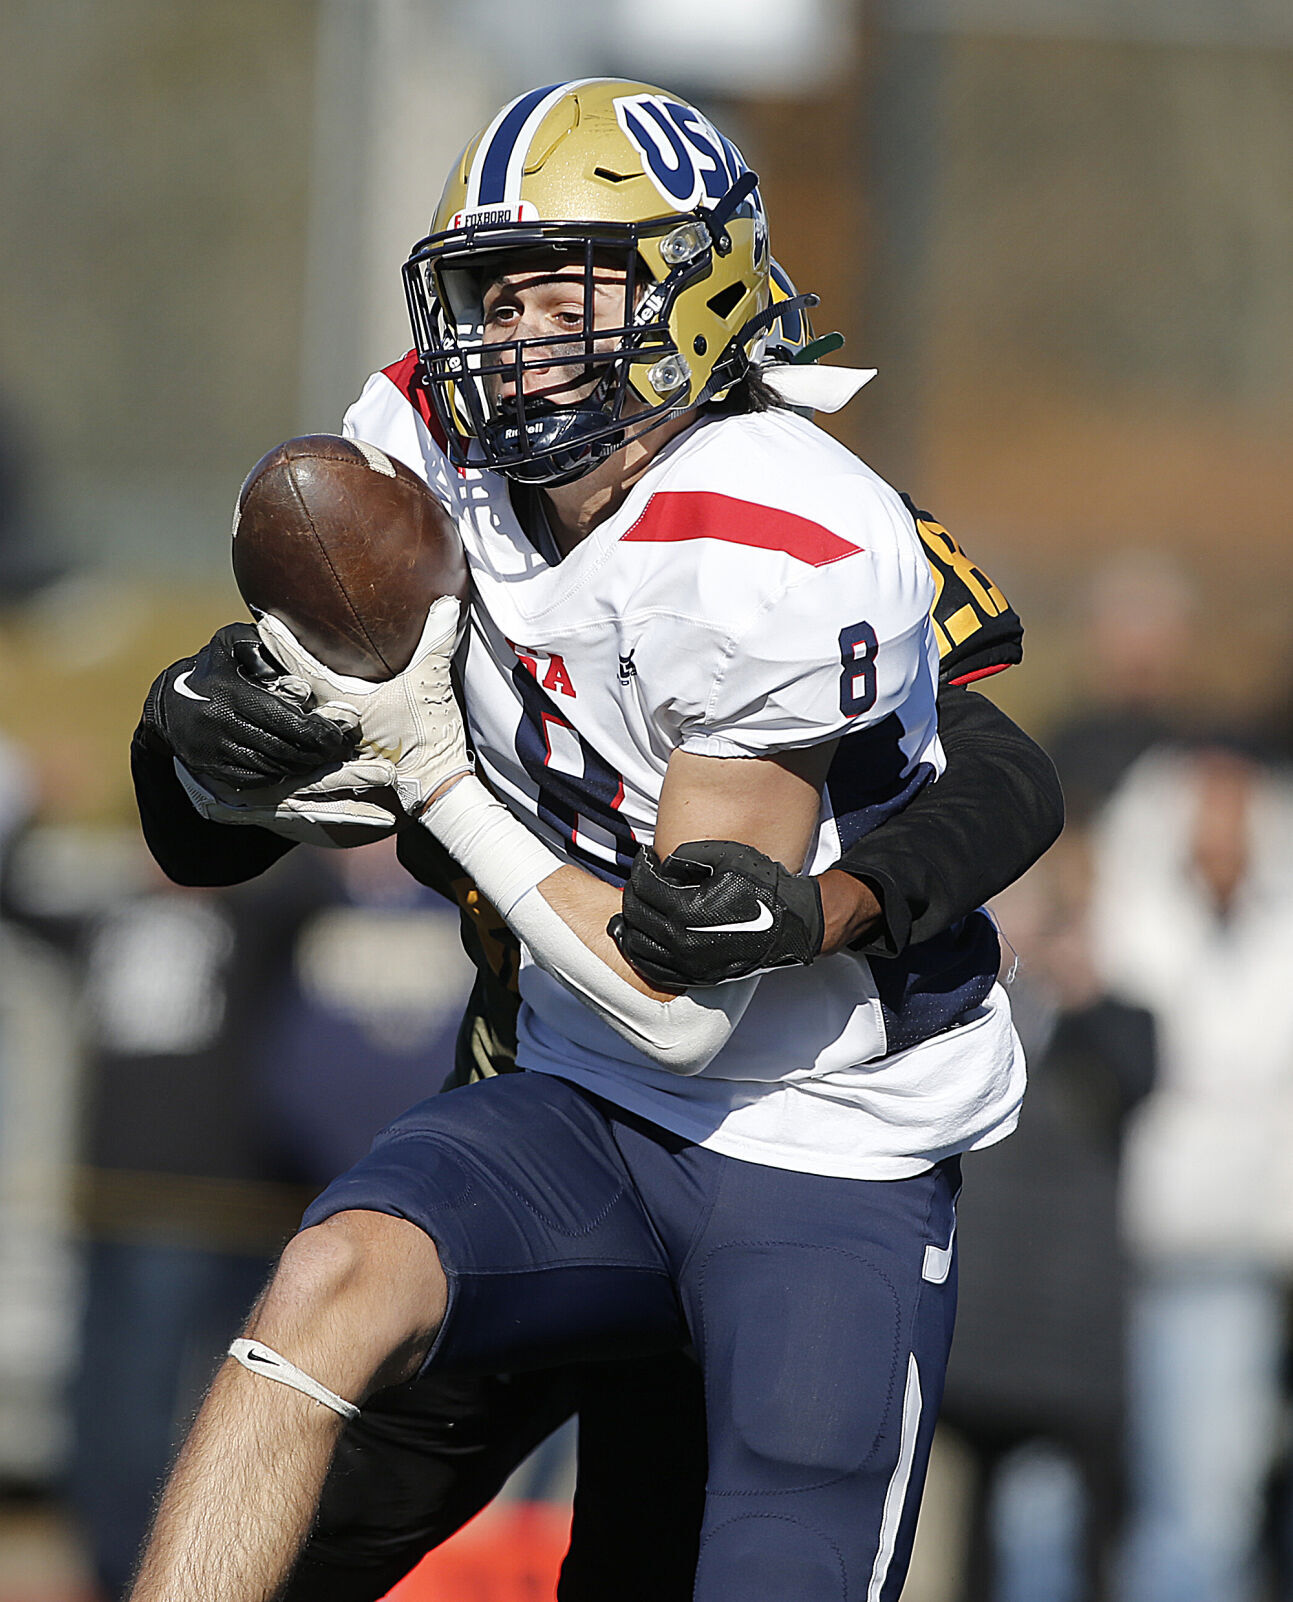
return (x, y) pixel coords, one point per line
(596, 173)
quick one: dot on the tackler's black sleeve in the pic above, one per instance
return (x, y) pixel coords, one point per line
(995, 810)
(189, 848)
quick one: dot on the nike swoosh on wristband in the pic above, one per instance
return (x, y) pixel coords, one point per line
(181, 685)
(750, 926)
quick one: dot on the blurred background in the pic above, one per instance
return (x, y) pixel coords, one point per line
(1062, 231)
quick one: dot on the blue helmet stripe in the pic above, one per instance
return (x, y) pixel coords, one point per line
(493, 171)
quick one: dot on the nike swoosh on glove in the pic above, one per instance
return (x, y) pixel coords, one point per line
(715, 910)
(412, 722)
(228, 715)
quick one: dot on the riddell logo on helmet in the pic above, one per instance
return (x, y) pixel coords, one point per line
(480, 216)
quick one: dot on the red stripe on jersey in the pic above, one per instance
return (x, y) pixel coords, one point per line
(674, 515)
(981, 673)
(401, 374)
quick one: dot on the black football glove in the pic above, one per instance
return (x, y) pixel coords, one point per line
(715, 910)
(218, 714)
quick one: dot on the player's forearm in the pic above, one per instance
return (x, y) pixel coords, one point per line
(474, 825)
(586, 905)
(560, 914)
(850, 909)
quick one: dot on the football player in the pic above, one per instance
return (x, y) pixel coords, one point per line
(698, 620)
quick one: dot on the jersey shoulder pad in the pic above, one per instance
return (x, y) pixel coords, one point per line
(773, 482)
(405, 374)
(978, 631)
(392, 412)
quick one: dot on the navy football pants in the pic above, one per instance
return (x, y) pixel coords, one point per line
(821, 1309)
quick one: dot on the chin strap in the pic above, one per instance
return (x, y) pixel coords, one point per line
(263, 1360)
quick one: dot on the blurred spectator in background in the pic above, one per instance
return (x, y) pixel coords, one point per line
(1277, 724)
(1134, 650)
(16, 793)
(37, 1065)
(365, 1026)
(1035, 1384)
(1193, 916)
(240, 1047)
(37, 1092)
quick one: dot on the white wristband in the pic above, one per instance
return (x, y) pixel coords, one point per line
(495, 848)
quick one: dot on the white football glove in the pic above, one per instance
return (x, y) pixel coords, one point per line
(409, 725)
(342, 806)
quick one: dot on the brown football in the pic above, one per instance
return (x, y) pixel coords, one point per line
(348, 548)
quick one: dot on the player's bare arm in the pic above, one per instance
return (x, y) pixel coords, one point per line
(770, 804)
(996, 809)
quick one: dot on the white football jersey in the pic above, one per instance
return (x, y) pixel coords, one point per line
(759, 589)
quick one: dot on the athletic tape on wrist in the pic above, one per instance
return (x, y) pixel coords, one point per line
(495, 848)
(263, 1360)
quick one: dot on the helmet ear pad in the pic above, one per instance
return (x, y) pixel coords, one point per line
(707, 313)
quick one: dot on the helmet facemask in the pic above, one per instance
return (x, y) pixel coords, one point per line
(500, 406)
